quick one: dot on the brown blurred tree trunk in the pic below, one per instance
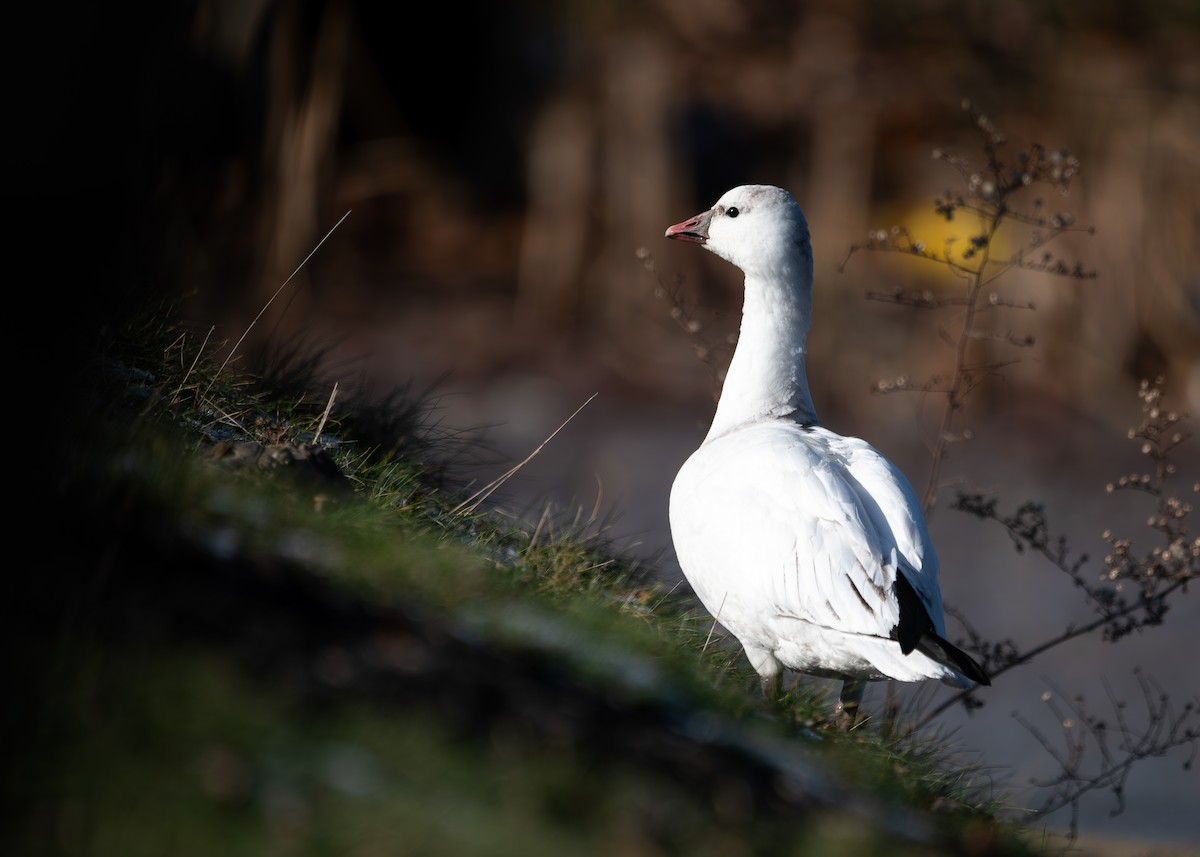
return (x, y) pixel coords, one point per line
(304, 104)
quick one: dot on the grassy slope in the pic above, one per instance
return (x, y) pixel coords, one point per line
(221, 660)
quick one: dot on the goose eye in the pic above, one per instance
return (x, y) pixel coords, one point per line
(732, 211)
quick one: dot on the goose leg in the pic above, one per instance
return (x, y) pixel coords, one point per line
(771, 686)
(770, 672)
(847, 714)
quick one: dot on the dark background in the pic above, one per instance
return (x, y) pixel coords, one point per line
(504, 163)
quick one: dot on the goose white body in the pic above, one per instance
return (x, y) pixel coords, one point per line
(809, 547)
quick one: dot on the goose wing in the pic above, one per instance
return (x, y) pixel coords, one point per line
(799, 522)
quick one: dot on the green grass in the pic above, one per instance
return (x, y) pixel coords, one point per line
(220, 660)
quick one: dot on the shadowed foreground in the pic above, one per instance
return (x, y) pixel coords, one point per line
(212, 662)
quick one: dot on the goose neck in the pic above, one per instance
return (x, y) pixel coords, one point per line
(767, 377)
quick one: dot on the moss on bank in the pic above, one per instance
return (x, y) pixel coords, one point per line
(218, 659)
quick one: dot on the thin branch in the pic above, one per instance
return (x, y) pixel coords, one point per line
(1164, 731)
(1028, 655)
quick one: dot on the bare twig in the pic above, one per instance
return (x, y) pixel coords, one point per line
(1133, 591)
(1118, 747)
(989, 199)
(706, 351)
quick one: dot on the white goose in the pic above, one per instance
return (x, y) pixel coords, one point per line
(810, 547)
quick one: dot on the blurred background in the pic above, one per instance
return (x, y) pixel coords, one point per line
(509, 170)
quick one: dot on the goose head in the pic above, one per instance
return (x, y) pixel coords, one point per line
(759, 228)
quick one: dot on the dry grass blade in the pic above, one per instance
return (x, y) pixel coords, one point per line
(271, 300)
(325, 415)
(191, 368)
(472, 502)
(712, 629)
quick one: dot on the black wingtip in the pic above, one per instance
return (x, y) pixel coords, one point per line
(955, 657)
(915, 631)
(952, 655)
(914, 622)
(947, 654)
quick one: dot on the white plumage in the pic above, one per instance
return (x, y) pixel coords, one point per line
(810, 547)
